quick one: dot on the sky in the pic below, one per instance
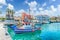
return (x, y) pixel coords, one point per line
(36, 7)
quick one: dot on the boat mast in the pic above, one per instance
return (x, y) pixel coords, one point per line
(29, 11)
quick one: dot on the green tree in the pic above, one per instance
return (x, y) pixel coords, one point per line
(10, 14)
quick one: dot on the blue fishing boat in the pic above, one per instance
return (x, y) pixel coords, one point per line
(27, 28)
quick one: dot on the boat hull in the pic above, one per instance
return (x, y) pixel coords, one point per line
(18, 31)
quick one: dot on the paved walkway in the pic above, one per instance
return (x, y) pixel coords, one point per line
(2, 33)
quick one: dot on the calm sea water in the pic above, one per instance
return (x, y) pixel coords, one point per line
(50, 31)
(47, 32)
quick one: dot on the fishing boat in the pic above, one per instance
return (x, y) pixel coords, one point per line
(24, 29)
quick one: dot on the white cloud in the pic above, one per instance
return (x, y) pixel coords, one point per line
(58, 7)
(44, 5)
(0, 6)
(54, 11)
(52, 8)
(53, 0)
(10, 6)
(33, 9)
(3, 2)
(41, 9)
(19, 12)
(58, 10)
(51, 11)
(32, 4)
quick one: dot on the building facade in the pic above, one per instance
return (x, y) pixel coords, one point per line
(43, 18)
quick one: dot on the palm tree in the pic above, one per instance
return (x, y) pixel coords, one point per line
(10, 14)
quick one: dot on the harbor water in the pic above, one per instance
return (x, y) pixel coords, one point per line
(48, 32)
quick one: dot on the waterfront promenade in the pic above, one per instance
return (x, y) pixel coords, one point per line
(2, 33)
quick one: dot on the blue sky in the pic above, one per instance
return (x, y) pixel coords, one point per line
(47, 7)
